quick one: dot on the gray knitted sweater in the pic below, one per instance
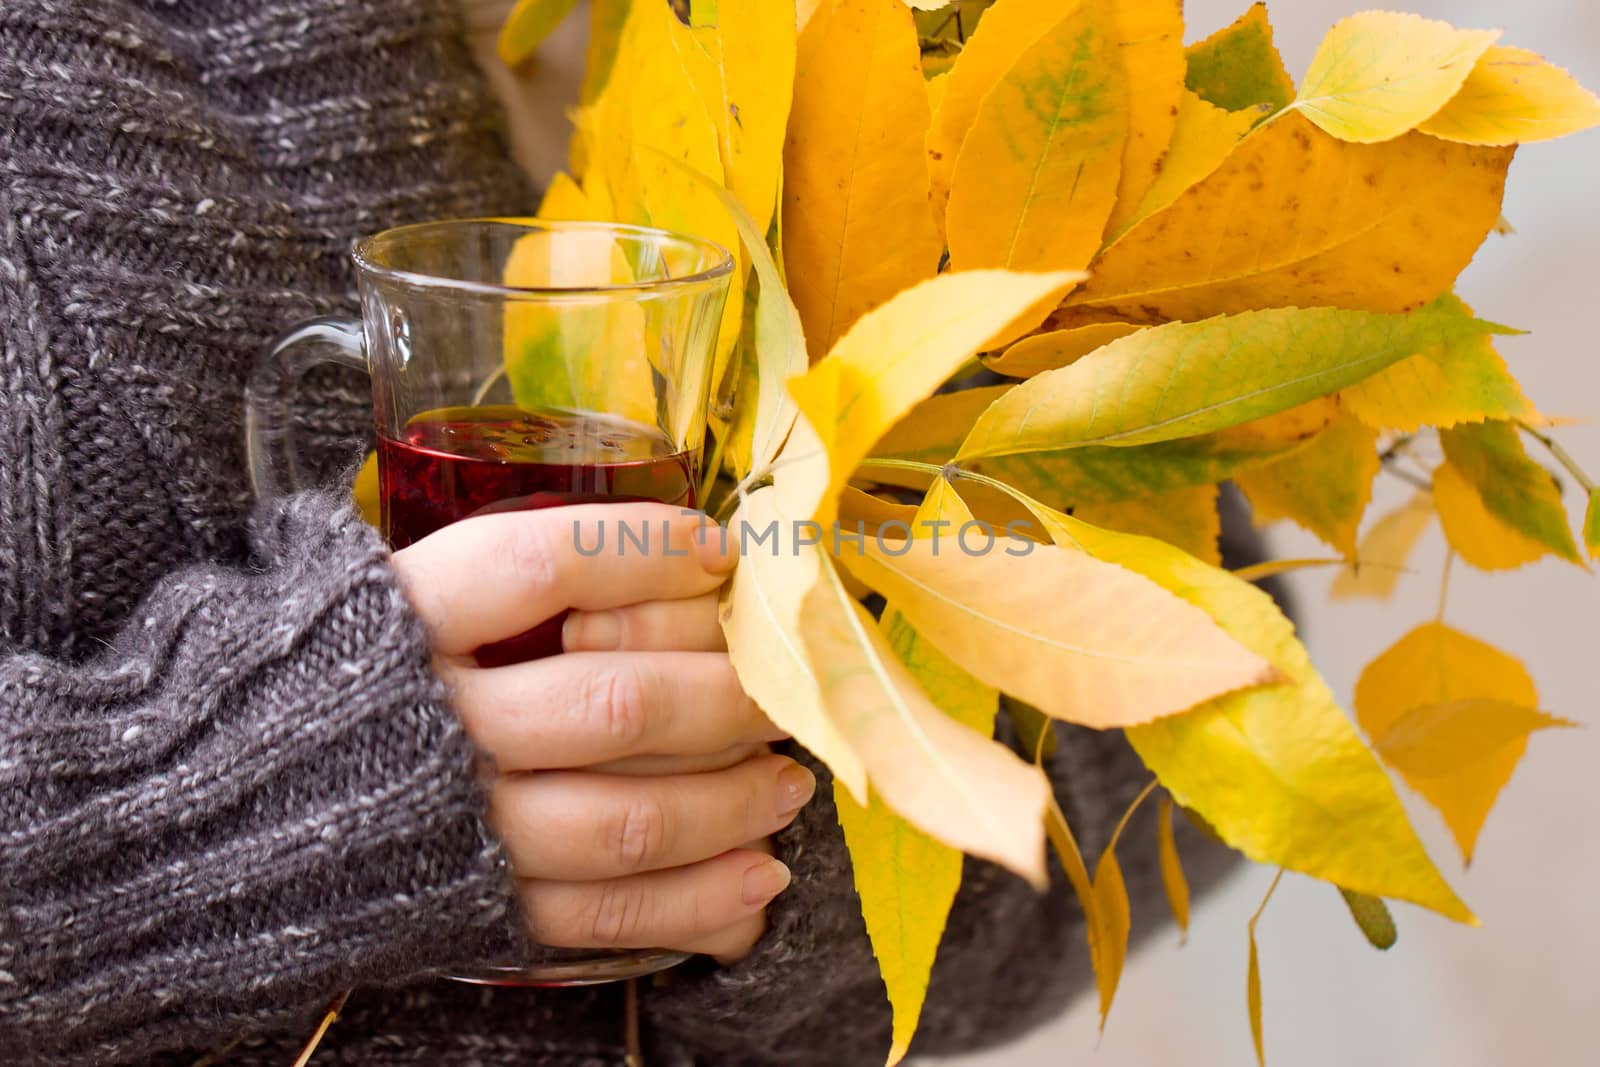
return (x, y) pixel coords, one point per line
(229, 784)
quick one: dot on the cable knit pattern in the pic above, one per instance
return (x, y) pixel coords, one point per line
(230, 785)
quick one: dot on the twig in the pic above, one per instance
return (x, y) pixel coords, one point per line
(334, 1008)
(1562, 456)
(1444, 583)
(634, 1056)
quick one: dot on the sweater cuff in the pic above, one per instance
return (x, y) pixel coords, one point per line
(258, 796)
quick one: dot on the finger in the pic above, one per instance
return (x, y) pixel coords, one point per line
(581, 826)
(661, 909)
(658, 625)
(730, 944)
(588, 708)
(697, 764)
(491, 577)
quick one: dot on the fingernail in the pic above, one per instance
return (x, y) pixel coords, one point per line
(796, 785)
(763, 882)
(591, 631)
(718, 553)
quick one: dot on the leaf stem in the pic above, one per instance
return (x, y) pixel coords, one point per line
(1271, 889)
(1116, 835)
(1444, 583)
(1562, 456)
(334, 1008)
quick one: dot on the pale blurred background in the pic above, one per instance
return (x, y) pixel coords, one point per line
(1524, 989)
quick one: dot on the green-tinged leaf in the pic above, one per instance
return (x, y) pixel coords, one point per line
(529, 23)
(1372, 916)
(606, 19)
(1591, 525)
(1278, 771)
(1186, 518)
(1379, 74)
(1036, 732)
(1239, 67)
(1463, 380)
(1514, 489)
(1173, 882)
(1184, 379)
(1324, 487)
(1475, 533)
(1120, 650)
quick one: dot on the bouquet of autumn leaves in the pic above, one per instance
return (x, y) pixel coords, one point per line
(1182, 270)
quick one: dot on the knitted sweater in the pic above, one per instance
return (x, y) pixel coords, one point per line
(230, 785)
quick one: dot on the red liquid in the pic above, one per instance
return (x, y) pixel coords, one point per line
(455, 463)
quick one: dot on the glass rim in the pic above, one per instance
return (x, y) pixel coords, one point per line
(722, 262)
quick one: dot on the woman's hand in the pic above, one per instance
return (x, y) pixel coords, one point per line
(635, 790)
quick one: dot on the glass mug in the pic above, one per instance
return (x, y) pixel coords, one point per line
(516, 364)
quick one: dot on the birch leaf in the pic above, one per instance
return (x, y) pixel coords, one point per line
(1278, 772)
(760, 616)
(890, 359)
(1149, 35)
(1379, 74)
(1372, 916)
(1473, 531)
(564, 199)
(942, 777)
(1037, 174)
(1238, 68)
(1119, 651)
(1382, 555)
(1315, 222)
(856, 225)
(1184, 379)
(1462, 380)
(1514, 489)
(1513, 96)
(1186, 518)
(1203, 137)
(1173, 883)
(1324, 487)
(1452, 715)
(1040, 352)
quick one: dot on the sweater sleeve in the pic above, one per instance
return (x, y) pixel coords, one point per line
(254, 797)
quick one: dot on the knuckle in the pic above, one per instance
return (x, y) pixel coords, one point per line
(533, 553)
(614, 915)
(622, 695)
(640, 834)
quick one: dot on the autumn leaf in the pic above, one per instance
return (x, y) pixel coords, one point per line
(1591, 524)
(565, 200)
(856, 224)
(891, 358)
(1203, 137)
(1038, 172)
(1513, 96)
(1149, 36)
(1324, 487)
(1186, 518)
(1473, 531)
(529, 23)
(1380, 74)
(1184, 379)
(1382, 554)
(1278, 772)
(1371, 914)
(1113, 924)
(368, 497)
(1253, 975)
(1039, 352)
(1462, 380)
(942, 777)
(1173, 883)
(932, 430)
(1513, 488)
(606, 20)
(1321, 222)
(1238, 68)
(1119, 651)
(1452, 715)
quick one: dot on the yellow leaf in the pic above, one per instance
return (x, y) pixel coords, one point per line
(1372, 916)
(936, 86)
(1040, 352)
(933, 430)
(1324, 487)
(1380, 74)
(1150, 49)
(1464, 380)
(760, 617)
(1186, 518)
(1513, 96)
(1513, 488)
(606, 19)
(1202, 139)
(1278, 772)
(942, 777)
(1006, 32)
(1591, 524)
(529, 23)
(1037, 174)
(1382, 554)
(891, 358)
(1172, 879)
(856, 225)
(1473, 531)
(368, 496)
(745, 75)
(1184, 379)
(1316, 222)
(1452, 715)
(1111, 931)
(1253, 976)
(1120, 650)
(564, 199)
(1259, 572)
(1238, 68)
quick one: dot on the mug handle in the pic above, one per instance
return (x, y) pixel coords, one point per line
(269, 403)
